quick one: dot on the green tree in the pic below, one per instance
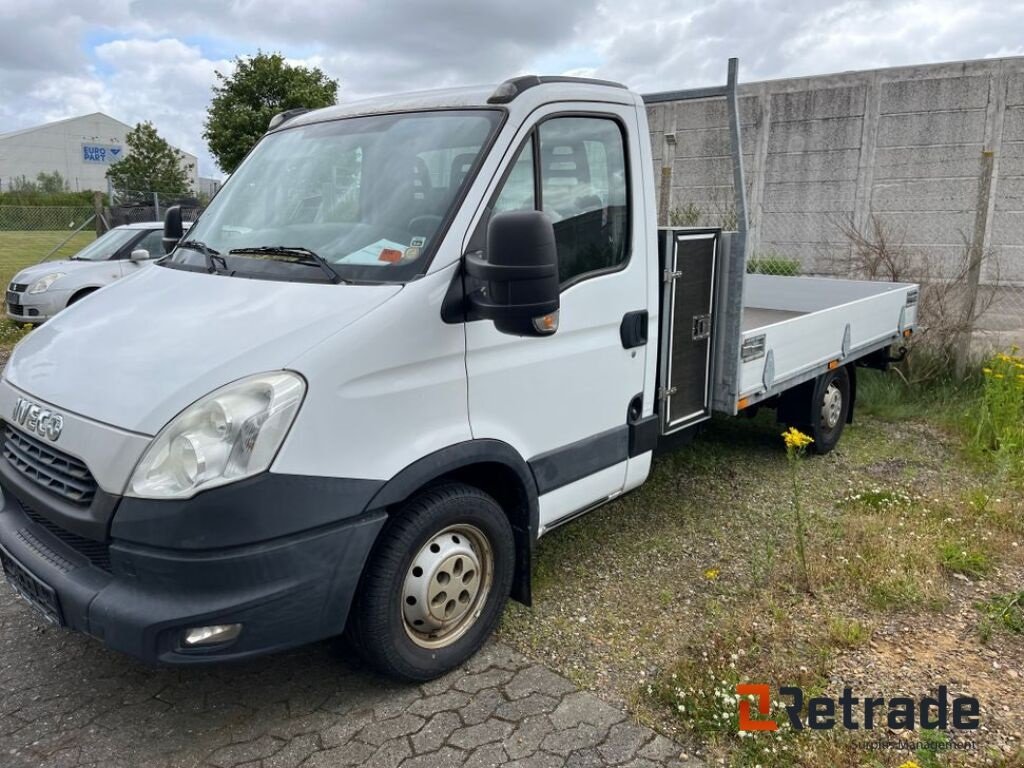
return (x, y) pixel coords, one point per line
(51, 183)
(245, 100)
(150, 164)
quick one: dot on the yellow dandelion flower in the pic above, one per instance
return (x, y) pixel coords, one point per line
(987, 371)
(796, 439)
(711, 574)
(910, 764)
(999, 376)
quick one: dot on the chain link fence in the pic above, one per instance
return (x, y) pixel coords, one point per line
(30, 234)
(129, 206)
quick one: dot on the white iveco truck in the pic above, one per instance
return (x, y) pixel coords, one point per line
(408, 337)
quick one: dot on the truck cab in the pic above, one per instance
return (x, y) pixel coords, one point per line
(407, 338)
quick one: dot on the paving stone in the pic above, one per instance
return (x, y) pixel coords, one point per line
(660, 749)
(378, 733)
(476, 735)
(481, 706)
(489, 679)
(442, 702)
(390, 755)
(526, 739)
(534, 704)
(354, 753)
(294, 752)
(434, 734)
(571, 739)
(443, 758)
(624, 739)
(537, 679)
(67, 701)
(236, 754)
(583, 707)
(344, 728)
(539, 760)
(487, 756)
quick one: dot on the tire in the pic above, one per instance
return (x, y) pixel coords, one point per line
(407, 619)
(830, 408)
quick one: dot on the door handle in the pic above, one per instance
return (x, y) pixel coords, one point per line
(633, 330)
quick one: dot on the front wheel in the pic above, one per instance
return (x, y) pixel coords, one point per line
(436, 584)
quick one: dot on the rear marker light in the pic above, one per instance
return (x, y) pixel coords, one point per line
(212, 635)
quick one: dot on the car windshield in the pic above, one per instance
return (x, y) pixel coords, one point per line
(105, 246)
(370, 195)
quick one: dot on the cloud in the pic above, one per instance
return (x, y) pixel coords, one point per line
(149, 59)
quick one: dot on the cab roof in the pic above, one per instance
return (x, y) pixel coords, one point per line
(549, 88)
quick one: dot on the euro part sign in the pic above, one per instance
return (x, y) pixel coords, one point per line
(763, 694)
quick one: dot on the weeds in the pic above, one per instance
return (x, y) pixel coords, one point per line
(1006, 612)
(958, 558)
(1000, 415)
(796, 444)
(11, 332)
(773, 265)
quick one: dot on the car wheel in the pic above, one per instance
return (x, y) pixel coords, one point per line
(435, 585)
(829, 410)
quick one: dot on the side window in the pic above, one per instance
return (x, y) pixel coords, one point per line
(518, 192)
(583, 190)
(152, 242)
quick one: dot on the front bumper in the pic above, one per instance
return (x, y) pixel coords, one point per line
(38, 307)
(286, 591)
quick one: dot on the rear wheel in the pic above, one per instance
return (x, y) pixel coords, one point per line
(829, 410)
(436, 585)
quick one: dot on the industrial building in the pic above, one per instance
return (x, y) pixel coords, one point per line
(80, 148)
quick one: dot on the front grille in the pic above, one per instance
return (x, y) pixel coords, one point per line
(44, 465)
(97, 552)
(15, 309)
(19, 287)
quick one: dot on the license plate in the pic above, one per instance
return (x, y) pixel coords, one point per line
(31, 589)
(13, 298)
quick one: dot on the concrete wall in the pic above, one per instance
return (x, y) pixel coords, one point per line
(58, 146)
(935, 152)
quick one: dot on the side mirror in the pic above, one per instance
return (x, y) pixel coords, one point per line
(139, 254)
(173, 229)
(520, 274)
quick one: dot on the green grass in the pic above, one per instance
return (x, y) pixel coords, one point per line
(890, 397)
(22, 249)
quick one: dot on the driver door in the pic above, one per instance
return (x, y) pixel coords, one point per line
(563, 400)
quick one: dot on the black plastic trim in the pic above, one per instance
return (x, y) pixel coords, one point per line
(464, 456)
(516, 86)
(643, 435)
(260, 508)
(633, 329)
(572, 462)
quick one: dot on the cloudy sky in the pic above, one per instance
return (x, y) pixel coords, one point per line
(155, 60)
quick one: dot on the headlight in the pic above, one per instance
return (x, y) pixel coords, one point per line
(230, 434)
(45, 282)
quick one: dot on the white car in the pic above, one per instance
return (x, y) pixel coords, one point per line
(39, 292)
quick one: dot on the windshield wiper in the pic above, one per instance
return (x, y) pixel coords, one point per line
(214, 261)
(299, 254)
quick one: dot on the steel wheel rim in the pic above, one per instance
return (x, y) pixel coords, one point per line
(832, 405)
(446, 586)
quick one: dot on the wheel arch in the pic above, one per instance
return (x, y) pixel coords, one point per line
(492, 466)
(81, 293)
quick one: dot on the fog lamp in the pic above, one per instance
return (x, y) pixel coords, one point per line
(212, 635)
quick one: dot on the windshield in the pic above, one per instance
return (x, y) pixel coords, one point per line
(105, 246)
(370, 195)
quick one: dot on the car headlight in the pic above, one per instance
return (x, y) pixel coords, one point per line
(232, 433)
(45, 282)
